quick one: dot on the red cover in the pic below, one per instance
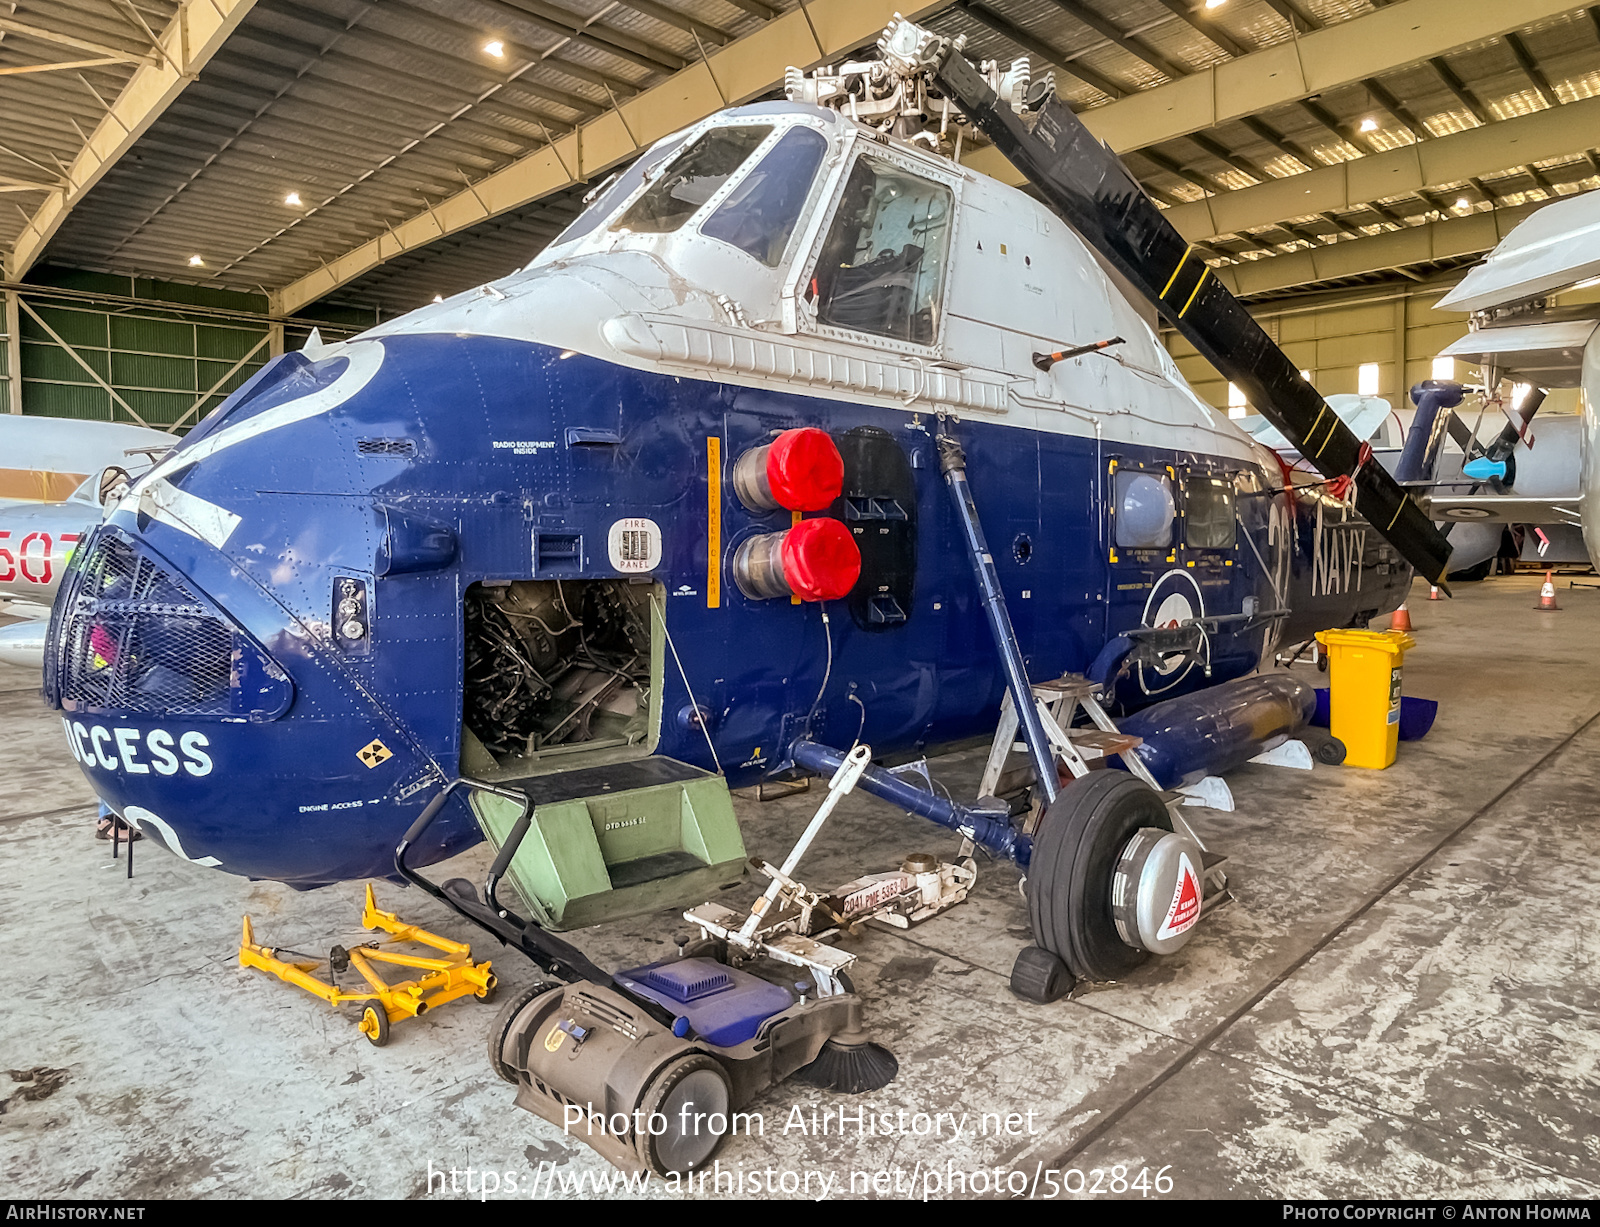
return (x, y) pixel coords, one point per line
(821, 561)
(804, 469)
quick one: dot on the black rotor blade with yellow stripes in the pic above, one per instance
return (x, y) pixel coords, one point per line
(1087, 185)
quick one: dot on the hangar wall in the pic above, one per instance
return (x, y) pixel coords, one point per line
(1396, 328)
(156, 353)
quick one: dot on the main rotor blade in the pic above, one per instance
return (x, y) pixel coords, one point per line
(1086, 184)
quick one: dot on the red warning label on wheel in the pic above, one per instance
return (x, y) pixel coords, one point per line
(1185, 907)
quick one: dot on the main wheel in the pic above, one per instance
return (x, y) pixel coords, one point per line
(692, 1095)
(1074, 861)
(500, 1028)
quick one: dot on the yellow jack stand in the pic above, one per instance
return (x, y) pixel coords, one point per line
(446, 980)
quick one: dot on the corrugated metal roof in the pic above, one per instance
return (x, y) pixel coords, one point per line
(371, 111)
(45, 115)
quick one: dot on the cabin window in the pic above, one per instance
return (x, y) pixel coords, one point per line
(760, 214)
(1208, 513)
(691, 179)
(1144, 511)
(610, 195)
(882, 265)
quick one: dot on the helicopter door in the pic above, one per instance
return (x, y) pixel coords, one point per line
(880, 266)
(1210, 551)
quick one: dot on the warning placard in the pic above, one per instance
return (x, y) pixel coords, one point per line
(1185, 907)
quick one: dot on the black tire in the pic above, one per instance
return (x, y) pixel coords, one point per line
(1331, 751)
(691, 1086)
(500, 1028)
(1040, 976)
(489, 993)
(375, 1023)
(1473, 574)
(846, 983)
(1074, 861)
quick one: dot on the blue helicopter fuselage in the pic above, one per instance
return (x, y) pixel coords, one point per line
(260, 657)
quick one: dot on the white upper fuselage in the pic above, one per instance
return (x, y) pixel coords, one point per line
(1018, 282)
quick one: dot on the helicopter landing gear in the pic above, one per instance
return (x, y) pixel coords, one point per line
(1111, 882)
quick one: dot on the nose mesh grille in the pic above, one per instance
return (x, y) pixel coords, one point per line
(136, 639)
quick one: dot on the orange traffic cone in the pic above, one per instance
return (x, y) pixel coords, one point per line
(1547, 594)
(1433, 593)
(1401, 620)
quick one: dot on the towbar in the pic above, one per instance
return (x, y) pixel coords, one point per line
(994, 834)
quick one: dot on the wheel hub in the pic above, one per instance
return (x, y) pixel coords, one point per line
(1157, 890)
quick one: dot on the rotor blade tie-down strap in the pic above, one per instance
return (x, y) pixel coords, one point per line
(1342, 486)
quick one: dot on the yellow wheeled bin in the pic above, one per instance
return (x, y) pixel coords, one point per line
(1364, 692)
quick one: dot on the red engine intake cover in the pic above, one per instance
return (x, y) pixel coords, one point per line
(821, 561)
(804, 469)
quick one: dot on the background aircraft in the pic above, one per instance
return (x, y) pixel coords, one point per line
(56, 472)
(45, 460)
(1523, 474)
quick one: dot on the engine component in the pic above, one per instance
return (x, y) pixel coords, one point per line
(552, 662)
(816, 560)
(800, 470)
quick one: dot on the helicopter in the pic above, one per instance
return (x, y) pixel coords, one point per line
(670, 503)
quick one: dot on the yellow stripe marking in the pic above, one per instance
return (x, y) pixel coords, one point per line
(1397, 512)
(1195, 292)
(713, 522)
(1175, 273)
(794, 518)
(1332, 426)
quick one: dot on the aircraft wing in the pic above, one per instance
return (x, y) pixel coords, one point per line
(1503, 508)
(1547, 354)
(1557, 246)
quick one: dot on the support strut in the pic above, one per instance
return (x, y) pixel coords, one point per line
(991, 831)
(953, 464)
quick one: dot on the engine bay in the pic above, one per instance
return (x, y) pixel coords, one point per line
(557, 667)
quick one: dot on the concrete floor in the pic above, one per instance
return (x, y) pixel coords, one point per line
(1401, 1003)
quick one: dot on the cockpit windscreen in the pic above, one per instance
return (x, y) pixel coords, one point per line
(759, 215)
(691, 179)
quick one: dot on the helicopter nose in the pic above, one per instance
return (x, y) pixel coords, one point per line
(175, 707)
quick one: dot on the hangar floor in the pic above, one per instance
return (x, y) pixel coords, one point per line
(1402, 1001)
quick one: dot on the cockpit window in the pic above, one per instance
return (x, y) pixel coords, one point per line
(760, 214)
(691, 179)
(882, 265)
(623, 186)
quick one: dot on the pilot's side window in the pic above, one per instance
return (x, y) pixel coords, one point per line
(882, 265)
(1208, 513)
(760, 214)
(691, 179)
